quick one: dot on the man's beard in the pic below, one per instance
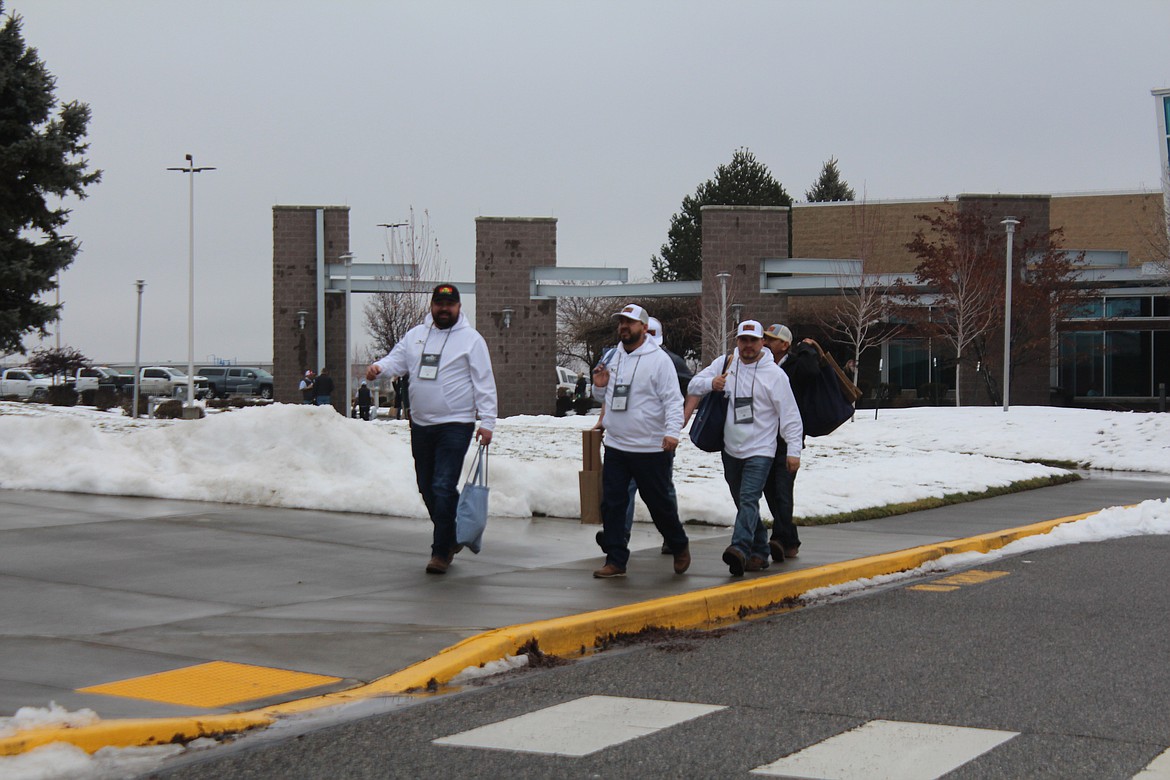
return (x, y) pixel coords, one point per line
(629, 339)
(444, 319)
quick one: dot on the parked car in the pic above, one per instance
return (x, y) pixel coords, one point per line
(161, 380)
(23, 383)
(97, 377)
(223, 381)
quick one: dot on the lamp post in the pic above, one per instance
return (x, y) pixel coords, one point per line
(722, 277)
(191, 170)
(137, 345)
(1009, 224)
(347, 258)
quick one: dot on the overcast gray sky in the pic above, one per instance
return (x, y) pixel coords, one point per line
(602, 114)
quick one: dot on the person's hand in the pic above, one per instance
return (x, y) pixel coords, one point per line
(600, 376)
(719, 382)
(485, 436)
(793, 464)
(372, 372)
(670, 444)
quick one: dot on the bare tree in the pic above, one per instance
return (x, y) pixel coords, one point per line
(859, 315)
(585, 328)
(412, 248)
(957, 262)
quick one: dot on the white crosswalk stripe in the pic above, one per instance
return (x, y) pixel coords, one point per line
(1159, 769)
(581, 726)
(882, 749)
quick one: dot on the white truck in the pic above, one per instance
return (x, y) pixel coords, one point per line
(171, 382)
(95, 377)
(23, 383)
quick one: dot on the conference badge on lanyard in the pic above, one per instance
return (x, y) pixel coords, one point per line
(429, 367)
(743, 411)
(621, 398)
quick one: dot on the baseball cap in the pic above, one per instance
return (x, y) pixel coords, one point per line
(751, 329)
(654, 330)
(776, 331)
(445, 292)
(634, 312)
(309, 372)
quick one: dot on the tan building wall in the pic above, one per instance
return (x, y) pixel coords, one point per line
(1131, 221)
(875, 231)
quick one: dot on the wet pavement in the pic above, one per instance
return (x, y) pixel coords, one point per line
(98, 590)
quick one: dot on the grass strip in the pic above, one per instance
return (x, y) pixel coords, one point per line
(889, 510)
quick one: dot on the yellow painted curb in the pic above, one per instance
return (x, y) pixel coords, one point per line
(138, 732)
(564, 636)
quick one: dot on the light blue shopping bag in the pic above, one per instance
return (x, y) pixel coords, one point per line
(472, 512)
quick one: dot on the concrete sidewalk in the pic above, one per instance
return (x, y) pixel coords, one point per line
(144, 608)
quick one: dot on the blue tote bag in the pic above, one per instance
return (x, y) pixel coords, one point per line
(472, 512)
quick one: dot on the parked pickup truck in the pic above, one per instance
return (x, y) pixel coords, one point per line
(160, 380)
(223, 381)
(96, 377)
(23, 383)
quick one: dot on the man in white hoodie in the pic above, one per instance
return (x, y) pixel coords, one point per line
(643, 421)
(760, 402)
(451, 383)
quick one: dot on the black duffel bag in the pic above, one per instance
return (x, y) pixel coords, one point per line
(707, 427)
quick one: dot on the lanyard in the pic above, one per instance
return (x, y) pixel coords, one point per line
(431, 366)
(752, 389)
(622, 357)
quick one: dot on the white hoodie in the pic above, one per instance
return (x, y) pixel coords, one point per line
(654, 407)
(465, 386)
(773, 406)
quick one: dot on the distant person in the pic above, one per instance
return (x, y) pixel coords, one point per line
(365, 399)
(307, 388)
(579, 390)
(448, 362)
(324, 386)
(401, 387)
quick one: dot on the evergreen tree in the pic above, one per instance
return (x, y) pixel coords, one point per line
(41, 158)
(742, 182)
(829, 187)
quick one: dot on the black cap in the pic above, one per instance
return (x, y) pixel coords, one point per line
(445, 292)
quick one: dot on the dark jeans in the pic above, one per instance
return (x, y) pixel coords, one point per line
(778, 492)
(438, 452)
(652, 473)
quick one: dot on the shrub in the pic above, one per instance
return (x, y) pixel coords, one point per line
(128, 402)
(62, 395)
(104, 398)
(932, 391)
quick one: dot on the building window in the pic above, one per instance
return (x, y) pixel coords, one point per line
(909, 363)
(1128, 307)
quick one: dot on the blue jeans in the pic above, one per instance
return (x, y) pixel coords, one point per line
(746, 478)
(651, 472)
(438, 452)
(779, 495)
(630, 509)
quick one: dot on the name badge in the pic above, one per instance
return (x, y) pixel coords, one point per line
(429, 368)
(621, 398)
(743, 411)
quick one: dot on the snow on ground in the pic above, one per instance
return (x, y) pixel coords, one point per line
(310, 457)
(299, 456)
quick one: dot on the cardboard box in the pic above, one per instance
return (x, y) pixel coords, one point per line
(591, 450)
(590, 484)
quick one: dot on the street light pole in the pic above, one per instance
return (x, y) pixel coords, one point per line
(192, 170)
(137, 346)
(1009, 224)
(347, 258)
(722, 277)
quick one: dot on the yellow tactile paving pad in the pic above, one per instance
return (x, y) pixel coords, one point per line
(214, 684)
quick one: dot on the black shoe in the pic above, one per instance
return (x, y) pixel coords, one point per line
(735, 561)
(666, 549)
(777, 550)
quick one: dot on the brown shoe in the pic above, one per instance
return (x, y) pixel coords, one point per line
(734, 560)
(609, 571)
(682, 560)
(437, 565)
(756, 563)
(792, 552)
(777, 550)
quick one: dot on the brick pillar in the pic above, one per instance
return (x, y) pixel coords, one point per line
(1030, 381)
(294, 288)
(524, 356)
(735, 240)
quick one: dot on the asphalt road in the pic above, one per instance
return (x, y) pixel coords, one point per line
(1059, 657)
